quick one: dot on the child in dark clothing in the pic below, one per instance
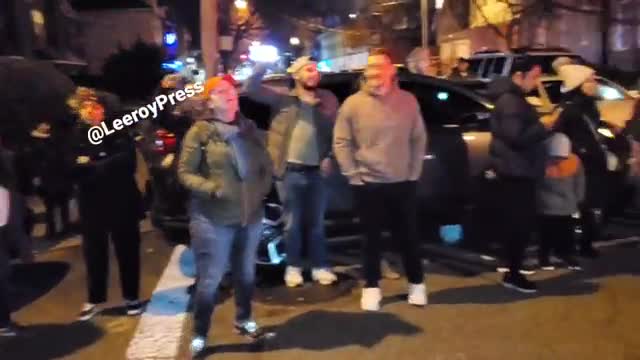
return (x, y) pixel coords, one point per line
(558, 198)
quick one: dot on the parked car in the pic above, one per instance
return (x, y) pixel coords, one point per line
(453, 188)
(489, 65)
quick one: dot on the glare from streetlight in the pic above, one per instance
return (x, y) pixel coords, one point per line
(294, 41)
(353, 16)
(241, 4)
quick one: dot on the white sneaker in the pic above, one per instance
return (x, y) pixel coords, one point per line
(293, 276)
(387, 271)
(371, 298)
(197, 345)
(323, 276)
(417, 294)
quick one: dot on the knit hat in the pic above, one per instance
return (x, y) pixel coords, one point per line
(213, 82)
(559, 145)
(299, 64)
(573, 76)
(560, 62)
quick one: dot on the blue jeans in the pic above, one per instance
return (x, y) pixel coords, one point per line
(214, 246)
(305, 202)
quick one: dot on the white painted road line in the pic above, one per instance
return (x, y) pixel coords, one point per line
(160, 328)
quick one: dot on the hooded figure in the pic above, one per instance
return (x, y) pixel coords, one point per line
(580, 120)
(109, 203)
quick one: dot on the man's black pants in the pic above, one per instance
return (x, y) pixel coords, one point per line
(95, 245)
(556, 234)
(397, 203)
(517, 218)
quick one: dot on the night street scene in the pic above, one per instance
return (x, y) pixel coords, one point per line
(328, 179)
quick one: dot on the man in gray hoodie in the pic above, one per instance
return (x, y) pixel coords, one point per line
(379, 142)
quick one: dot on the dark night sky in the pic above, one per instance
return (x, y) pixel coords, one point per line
(279, 28)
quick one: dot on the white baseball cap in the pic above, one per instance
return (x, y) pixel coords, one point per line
(300, 63)
(573, 76)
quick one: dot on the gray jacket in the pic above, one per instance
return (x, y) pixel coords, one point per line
(563, 188)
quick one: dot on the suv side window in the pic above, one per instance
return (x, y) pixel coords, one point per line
(498, 66)
(474, 66)
(488, 66)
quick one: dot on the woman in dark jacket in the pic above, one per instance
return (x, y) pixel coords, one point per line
(580, 120)
(52, 177)
(109, 205)
(226, 167)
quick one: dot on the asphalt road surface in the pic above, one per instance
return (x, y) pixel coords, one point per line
(593, 314)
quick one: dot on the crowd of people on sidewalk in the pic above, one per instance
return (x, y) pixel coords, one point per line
(548, 176)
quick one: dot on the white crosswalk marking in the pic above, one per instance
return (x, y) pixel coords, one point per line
(160, 328)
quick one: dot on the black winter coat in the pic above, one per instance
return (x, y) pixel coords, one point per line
(517, 135)
(107, 190)
(580, 120)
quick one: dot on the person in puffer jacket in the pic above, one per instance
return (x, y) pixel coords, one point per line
(226, 167)
(559, 197)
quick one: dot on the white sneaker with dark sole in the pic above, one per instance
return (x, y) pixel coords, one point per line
(417, 295)
(88, 312)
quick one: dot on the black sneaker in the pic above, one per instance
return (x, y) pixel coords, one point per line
(251, 330)
(88, 311)
(527, 270)
(546, 265)
(519, 283)
(572, 264)
(134, 308)
(10, 330)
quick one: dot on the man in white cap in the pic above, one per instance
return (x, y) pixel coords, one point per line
(299, 142)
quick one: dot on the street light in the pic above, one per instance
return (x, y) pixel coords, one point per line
(294, 41)
(241, 4)
(353, 16)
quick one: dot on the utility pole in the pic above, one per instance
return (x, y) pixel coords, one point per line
(424, 21)
(209, 35)
(605, 23)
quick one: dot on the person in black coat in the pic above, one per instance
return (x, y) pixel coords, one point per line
(11, 236)
(109, 204)
(518, 158)
(52, 177)
(579, 120)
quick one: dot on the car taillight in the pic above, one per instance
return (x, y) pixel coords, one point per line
(165, 142)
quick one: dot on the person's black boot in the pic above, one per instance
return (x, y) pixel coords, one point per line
(519, 282)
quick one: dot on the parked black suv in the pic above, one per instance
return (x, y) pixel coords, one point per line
(454, 187)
